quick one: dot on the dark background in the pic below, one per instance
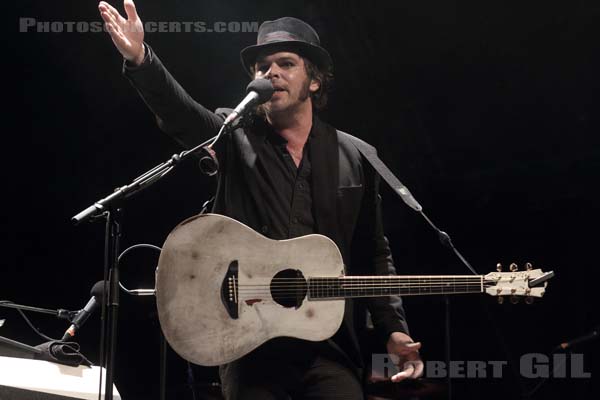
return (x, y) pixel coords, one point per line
(486, 110)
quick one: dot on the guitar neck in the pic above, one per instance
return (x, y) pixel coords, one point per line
(321, 288)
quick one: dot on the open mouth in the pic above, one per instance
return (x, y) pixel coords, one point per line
(277, 92)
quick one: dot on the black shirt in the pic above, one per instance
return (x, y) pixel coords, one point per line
(290, 200)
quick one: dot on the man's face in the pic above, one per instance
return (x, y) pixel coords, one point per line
(287, 72)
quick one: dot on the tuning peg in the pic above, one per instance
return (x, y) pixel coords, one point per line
(514, 267)
(528, 300)
(514, 299)
(500, 300)
(499, 267)
(528, 266)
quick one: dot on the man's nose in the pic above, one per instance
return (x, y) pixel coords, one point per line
(273, 71)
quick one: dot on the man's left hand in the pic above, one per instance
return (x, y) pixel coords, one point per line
(402, 346)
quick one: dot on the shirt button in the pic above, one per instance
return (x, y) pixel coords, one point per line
(300, 186)
(295, 220)
(264, 229)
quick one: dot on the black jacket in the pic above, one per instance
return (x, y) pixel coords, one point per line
(345, 188)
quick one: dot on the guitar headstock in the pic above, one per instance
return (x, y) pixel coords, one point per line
(530, 283)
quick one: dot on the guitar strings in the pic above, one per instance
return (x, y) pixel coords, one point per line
(301, 283)
(381, 277)
(282, 296)
(322, 287)
(357, 284)
(374, 280)
(317, 291)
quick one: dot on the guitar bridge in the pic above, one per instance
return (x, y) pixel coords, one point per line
(229, 290)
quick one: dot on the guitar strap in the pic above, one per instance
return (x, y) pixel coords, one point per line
(370, 154)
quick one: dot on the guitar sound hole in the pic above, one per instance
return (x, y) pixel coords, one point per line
(288, 288)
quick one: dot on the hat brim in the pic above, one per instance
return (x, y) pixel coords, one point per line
(316, 54)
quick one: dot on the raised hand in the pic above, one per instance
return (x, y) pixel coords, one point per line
(127, 34)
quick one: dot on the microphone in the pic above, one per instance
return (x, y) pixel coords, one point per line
(581, 339)
(259, 91)
(83, 314)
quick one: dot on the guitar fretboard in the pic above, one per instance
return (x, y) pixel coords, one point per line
(321, 288)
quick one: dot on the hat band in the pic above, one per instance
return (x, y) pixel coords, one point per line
(278, 36)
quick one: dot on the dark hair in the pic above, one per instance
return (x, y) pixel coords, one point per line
(324, 76)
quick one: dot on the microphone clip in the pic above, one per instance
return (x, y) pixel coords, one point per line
(66, 314)
(209, 163)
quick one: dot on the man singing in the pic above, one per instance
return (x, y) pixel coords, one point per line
(285, 173)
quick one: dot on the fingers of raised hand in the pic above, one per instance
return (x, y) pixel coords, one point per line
(111, 25)
(110, 14)
(130, 10)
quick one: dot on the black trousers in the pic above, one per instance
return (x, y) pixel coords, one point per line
(290, 374)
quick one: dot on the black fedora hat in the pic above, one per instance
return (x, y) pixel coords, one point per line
(287, 33)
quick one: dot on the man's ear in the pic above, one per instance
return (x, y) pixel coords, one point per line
(315, 85)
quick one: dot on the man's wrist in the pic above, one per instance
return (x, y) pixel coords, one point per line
(139, 60)
(132, 66)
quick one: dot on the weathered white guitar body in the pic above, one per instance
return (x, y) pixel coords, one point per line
(222, 289)
(194, 260)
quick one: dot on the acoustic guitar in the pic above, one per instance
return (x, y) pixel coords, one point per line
(223, 289)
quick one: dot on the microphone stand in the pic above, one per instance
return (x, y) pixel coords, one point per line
(60, 313)
(447, 242)
(565, 347)
(401, 190)
(107, 208)
(405, 195)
